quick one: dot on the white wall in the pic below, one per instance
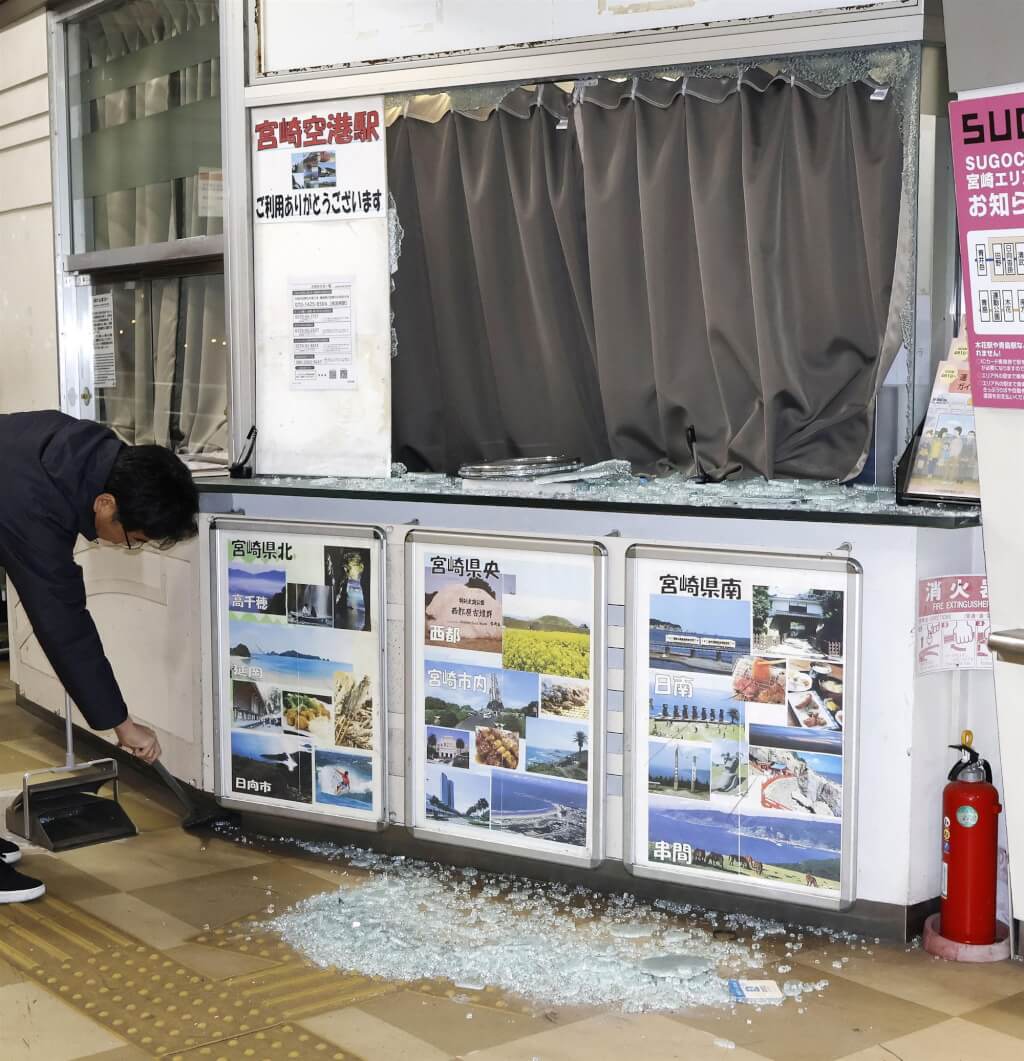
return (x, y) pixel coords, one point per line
(145, 605)
(28, 354)
(28, 315)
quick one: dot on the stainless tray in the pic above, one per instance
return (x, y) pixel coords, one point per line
(520, 468)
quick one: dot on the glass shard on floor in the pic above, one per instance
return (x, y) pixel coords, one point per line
(552, 944)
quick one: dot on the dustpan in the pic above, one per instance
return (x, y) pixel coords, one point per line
(67, 811)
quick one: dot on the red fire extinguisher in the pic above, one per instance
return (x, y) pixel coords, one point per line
(970, 823)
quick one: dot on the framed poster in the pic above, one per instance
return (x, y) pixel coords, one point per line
(505, 674)
(299, 655)
(741, 721)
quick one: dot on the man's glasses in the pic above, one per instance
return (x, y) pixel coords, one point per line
(134, 547)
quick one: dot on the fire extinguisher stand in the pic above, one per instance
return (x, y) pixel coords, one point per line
(966, 929)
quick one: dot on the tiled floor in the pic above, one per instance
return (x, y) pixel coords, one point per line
(143, 948)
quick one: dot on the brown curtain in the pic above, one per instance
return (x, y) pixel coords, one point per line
(680, 254)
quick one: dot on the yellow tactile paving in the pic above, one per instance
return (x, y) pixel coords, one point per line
(281, 1042)
(166, 1008)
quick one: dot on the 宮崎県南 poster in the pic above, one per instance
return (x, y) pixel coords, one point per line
(740, 713)
(302, 670)
(504, 656)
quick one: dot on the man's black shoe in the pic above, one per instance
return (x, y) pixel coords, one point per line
(15, 887)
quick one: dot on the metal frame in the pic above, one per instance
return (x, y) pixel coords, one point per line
(937, 252)
(413, 708)
(69, 328)
(886, 22)
(188, 249)
(236, 162)
(712, 880)
(222, 733)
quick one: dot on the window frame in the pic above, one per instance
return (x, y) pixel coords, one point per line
(76, 273)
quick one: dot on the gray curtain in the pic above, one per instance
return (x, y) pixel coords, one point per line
(711, 254)
(492, 302)
(171, 360)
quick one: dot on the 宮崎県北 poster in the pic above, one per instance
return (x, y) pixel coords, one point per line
(300, 668)
(505, 724)
(742, 707)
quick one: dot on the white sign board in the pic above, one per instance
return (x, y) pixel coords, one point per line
(320, 163)
(299, 34)
(322, 288)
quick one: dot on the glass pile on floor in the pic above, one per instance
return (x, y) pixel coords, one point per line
(551, 944)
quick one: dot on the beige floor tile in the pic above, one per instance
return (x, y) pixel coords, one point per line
(62, 879)
(616, 1037)
(9, 974)
(370, 1037)
(14, 761)
(18, 724)
(47, 746)
(452, 1027)
(218, 898)
(339, 875)
(170, 855)
(845, 1018)
(1006, 1016)
(148, 814)
(124, 1053)
(216, 963)
(874, 1053)
(10, 785)
(130, 914)
(953, 1040)
(951, 987)
(36, 1026)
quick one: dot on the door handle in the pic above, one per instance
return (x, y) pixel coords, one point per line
(1008, 646)
(86, 396)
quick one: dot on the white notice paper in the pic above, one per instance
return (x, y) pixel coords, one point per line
(211, 192)
(953, 624)
(104, 369)
(323, 334)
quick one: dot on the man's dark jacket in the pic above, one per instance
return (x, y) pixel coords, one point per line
(52, 468)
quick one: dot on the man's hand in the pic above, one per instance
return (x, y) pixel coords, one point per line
(139, 740)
